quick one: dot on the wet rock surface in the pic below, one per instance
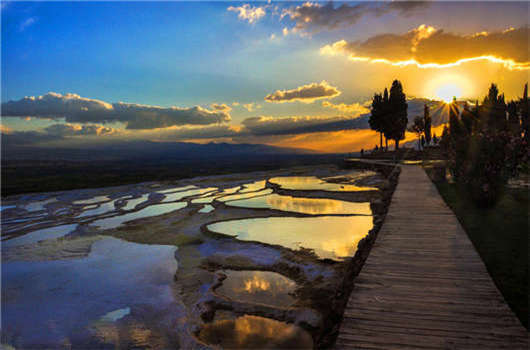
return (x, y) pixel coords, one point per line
(156, 272)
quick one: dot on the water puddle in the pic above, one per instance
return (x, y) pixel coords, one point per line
(103, 208)
(333, 237)
(92, 200)
(254, 332)
(176, 189)
(209, 198)
(132, 203)
(303, 205)
(206, 209)
(37, 206)
(313, 183)
(261, 287)
(152, 210)
(46, 303)
(182, 194)
(253, 186)
(40, 235)
(234, 197)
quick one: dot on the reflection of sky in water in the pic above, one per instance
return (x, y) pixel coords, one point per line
(206, 209)
(102, 209)
(40, 235)
(115, 315)
(132, 203)
(152, 210)
(216, 195)
(44, 302)
(304, 205)
(175, 189)
(253, 186)
(92, 200)
(36, 206)
(179, 195)
(253, 332)
(234, 197)
(261, 287)
(314, 183)
(329, 236)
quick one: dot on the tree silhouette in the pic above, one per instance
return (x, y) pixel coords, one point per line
(397, 117)
(418, 127)
(427, 122)
(377, 116)
(524, 113)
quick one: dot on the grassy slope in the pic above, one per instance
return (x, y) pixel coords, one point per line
(500, 235)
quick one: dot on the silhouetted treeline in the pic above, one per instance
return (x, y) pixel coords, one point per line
(389, 114)
(487, 144)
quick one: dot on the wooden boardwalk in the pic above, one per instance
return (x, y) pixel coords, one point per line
(424, 285)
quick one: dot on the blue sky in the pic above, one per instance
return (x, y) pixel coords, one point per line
(186, 54)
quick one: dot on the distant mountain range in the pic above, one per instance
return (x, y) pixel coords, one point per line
(137, 150)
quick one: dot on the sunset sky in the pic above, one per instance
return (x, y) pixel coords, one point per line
(288, 74)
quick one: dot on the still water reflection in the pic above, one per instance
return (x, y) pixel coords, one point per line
(153, 210)
(253, 332)
(46, 303)
(313, 183)
(40, 235)
(304, 205)
(263, 287)
(332, 237)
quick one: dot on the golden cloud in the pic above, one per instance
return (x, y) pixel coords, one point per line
(305, 93)
(428, 47)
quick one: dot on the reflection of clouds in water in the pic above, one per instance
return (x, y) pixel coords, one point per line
(314, 183)
(262, 287)
(307, 232)
(256, 284)
(304, 205)
(254, 332)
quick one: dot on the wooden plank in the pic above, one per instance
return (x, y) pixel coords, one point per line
(424, 285)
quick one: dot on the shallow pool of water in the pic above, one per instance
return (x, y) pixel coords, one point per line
(303, 205)
(182, 194)
(313, 183)
(176, 189)
(92, 200)
(37, 206)
(253, 332)
(132, 203)
(40, 235)
(152, 210)
(262, 287)
(333, 237)
(46, 303)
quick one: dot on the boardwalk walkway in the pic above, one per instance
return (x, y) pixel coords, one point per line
(424, 285)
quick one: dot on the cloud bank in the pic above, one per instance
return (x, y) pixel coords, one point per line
(354, 108)
(77, 109)
(306, 93)
(428, 47)
(265, 125)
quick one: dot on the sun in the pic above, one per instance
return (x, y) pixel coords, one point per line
(448, 91)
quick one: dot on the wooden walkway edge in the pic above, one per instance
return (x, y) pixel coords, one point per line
(424, 285)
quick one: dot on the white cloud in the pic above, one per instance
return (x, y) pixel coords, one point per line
(248, 13)
(28, 22)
